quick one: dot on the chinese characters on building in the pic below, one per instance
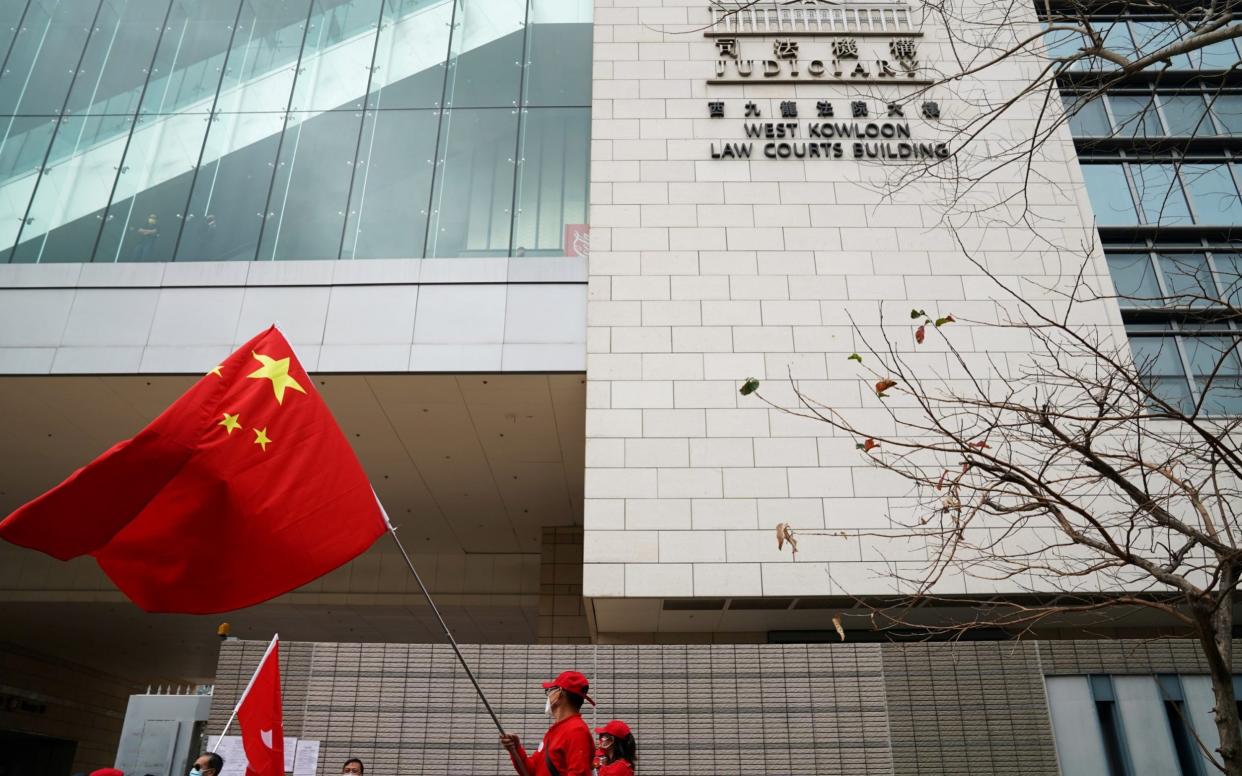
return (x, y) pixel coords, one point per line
(858, 109)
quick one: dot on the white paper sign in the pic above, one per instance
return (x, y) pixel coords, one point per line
(307, 758)
(230, 748)
(234, 753)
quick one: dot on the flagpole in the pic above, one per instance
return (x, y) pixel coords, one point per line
(245, 692)
(392, 531)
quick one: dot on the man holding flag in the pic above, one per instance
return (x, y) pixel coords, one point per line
(250, 462)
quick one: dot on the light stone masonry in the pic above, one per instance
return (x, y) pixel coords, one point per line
(705, 272)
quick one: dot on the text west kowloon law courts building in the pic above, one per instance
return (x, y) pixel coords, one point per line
(529, 250)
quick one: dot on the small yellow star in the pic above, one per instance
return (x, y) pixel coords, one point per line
(276, 370)
(217, 371)
(230, 422)
(260, 438)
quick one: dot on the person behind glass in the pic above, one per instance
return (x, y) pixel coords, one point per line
(353, 767)
(617, 750)
(147, 235)
(567, 747)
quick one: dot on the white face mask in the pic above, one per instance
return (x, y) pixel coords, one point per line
(547, 706)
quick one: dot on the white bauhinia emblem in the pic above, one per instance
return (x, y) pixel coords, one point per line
(266, 735)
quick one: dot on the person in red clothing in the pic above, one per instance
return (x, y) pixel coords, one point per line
(566, 747)
(617, 749)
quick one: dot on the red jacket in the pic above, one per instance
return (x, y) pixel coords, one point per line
(617, 768)
(568, 744)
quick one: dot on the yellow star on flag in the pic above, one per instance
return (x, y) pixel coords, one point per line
(230, 422)
(217, 371)
(276, 370)
(261, 439)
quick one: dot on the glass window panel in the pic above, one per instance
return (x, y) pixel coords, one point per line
(1150, 37)
(1218, 56)
(152, 189)
(1229, 277)
(1135, 115)
(336, 60)
(1214, 192)
(231, 186)
(310, 192)
(1091, 120)
(66, 211)
(1159, 194)
(392, 185)
(1134, 277)
(472, 198)
(263, 57)
(23, 145)
(558, 53)
(1160, 365)
(1187, 278)
(1186, 115)
(1217, 370)
(411, 57)
(1227, 108)
(1110, 196)
(45, 52)
(191, 54)
(10, 17)
(1062, 44)
(486, 53)
(118, 56)
(552, 179)
(1116, 38)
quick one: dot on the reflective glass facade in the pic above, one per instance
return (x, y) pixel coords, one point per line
(1160, 154)
(182, 130)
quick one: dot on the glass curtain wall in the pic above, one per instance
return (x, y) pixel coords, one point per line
(183, 130)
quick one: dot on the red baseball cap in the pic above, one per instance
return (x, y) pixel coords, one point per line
(107, 772)
(571, 681)
(615, 728)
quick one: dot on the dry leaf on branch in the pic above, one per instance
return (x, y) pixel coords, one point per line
(784, 533)
(836, 623)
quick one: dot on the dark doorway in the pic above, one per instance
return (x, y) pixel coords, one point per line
(22, 754)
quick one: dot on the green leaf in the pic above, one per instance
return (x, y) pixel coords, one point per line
(947, 319)
(750, 386)
(916, 314)
(854, 357)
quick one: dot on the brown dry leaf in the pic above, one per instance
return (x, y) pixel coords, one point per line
(780, 535)
(883, 386)
(919, 334)
(836, 623)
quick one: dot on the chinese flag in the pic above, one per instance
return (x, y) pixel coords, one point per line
(258, 713)
(243, 489)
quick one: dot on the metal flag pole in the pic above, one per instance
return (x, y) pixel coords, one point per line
(245, 692)
(392, 531)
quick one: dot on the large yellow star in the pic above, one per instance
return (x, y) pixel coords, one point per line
(218, 371)
(230, 422)
(260, 438)
(276, 370)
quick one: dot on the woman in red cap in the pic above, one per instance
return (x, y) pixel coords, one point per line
(566, 747)
(617, 749)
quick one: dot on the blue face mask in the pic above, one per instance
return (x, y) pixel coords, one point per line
(196, 771)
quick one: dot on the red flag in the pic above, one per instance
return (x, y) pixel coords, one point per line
(258, 713)
(243, 489)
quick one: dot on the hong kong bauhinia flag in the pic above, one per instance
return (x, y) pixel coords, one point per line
(243, 489)
(259, 714)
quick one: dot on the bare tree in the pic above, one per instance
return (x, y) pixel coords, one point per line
(1088, 476)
